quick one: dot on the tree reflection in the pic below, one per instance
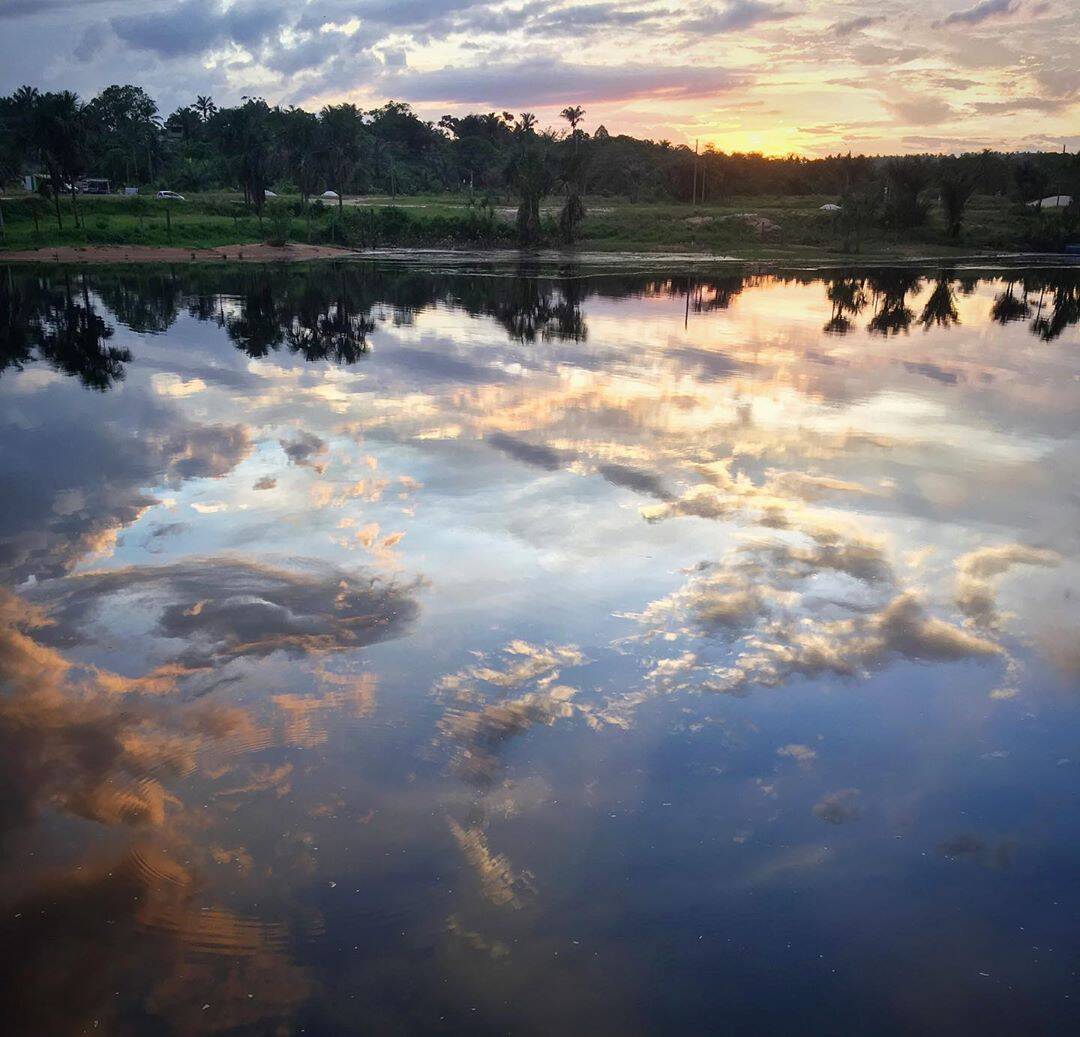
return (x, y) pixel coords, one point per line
(56, 322)
(848, 298)
(1007, 307)
(890, 289)
(940, 308)
(331, 312)
(1058, 306)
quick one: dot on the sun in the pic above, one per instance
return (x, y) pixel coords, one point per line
(773, 141)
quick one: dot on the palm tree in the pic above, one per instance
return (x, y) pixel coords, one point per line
(205, 106)
(530, 173)
(340, 135)
(573, 177)
(250, 143)
(573, 115)
(957, 185)
(59, 128)
(526, 122)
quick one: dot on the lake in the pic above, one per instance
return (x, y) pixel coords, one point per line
(470, 647)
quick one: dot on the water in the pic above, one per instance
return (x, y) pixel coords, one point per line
(390, 649)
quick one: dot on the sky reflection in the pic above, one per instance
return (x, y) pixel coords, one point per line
(393, 648)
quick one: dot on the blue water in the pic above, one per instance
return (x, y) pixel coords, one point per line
(396, 648)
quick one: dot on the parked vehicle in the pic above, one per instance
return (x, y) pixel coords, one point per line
(170, 196)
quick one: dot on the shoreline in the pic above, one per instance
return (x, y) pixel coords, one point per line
(298, 252)
(259, 252)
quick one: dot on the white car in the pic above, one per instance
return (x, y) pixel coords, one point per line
(170, 196)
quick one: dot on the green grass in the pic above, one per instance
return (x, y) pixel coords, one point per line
(612, 225)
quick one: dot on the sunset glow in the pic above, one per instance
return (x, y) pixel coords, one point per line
(803, 76)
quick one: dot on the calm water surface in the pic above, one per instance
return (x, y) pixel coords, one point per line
(388, 649)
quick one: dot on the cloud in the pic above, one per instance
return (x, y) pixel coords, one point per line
(795, 751)
(981, 12)
(636, 479)
(536, 454)
(478, 729)
(195, 26)
(852, 25)
(307, 718)
(735, 17)
(1023, 104)
(585, 18)
(838, 807)
(90, 43)
(761, 607)
(303, 448)
(542, 83)
(225, 609)
(917, 110)
(979, 571)
(94, 481)
(499, 882)
(873, 54)
(23, 8)
(84, 740)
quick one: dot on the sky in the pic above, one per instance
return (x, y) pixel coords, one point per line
(779, 76)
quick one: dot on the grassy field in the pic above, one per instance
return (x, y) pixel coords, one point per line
(747, 227)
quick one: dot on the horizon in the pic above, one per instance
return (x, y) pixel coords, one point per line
(998, 74)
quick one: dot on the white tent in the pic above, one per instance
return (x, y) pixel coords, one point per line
(330, 194)
(1055, 201)
(829, 207)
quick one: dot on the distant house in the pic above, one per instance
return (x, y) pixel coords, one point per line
(1055, 201)
(94, 185)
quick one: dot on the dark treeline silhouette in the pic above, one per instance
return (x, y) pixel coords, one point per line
(255, 148)
(62, 317)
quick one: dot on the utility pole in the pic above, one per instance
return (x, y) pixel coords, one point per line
(695, 172)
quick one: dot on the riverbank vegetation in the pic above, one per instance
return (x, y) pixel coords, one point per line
(259, 173)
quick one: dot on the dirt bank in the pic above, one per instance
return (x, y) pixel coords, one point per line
(251, 253)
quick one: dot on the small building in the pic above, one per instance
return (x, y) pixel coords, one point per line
(94, 185)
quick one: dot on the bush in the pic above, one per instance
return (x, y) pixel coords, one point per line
(280, 225)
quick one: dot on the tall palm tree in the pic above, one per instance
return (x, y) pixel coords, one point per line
(532, 175)
(526, 122)
(573, 114)
(573, 176)
(205, 106)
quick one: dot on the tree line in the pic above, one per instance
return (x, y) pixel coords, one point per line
(255, 148)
